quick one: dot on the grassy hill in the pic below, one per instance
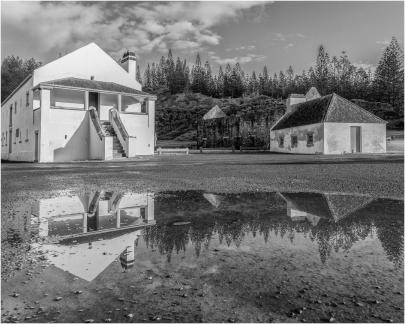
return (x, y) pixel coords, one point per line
(177, 115)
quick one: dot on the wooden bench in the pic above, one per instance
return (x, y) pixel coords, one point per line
(253, 148)
(175, 151)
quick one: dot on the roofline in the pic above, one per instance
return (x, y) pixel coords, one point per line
(46, 85)
(16, 89)
(369, 113)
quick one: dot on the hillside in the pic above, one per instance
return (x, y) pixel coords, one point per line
(177, 115)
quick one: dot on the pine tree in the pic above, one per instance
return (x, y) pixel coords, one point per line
(322, 70)
(220, 83)
(138, 74)
(290, 87)
(170, 72)
(147, 78)
(228, 81)
(388, 85)
(197, 76)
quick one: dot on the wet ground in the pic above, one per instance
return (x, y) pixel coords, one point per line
(108, 253)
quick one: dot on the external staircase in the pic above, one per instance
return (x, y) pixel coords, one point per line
(118, 150)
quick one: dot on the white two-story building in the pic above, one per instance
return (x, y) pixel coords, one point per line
(82, 106)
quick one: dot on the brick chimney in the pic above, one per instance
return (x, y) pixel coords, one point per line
(294, 99)
(128, 62)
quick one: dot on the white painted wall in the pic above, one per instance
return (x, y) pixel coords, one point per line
(67, 136)
(23, 119)
(107, 101)
(337, 137)
(301, 132)
(87, 61)
(70, 99)
(142, 126)
(96, 149)
(130, 104)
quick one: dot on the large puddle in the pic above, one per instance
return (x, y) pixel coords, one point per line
(251, 256)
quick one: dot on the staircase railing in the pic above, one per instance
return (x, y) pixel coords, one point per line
(119, 127)
(96, 122)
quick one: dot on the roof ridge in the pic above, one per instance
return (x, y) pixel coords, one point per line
(357, 106)
(326, 115)
(368, 112)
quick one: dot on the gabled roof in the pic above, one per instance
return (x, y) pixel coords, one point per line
(214, 112)
(92, 85)
(312, 94)
(327, 205)
(330, 108)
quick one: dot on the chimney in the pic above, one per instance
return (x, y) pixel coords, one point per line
(128, 62)
(294, 99)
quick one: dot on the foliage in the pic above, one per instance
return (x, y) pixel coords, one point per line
(13, 71)
(389, 77)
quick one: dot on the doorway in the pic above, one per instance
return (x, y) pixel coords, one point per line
(355, 139)
(36, 157)
(94, 101)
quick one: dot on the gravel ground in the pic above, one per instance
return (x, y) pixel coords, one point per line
(22, 183)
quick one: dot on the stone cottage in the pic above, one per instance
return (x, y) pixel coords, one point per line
(327, 125)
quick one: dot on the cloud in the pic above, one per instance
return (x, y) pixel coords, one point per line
(279, 37)
(242, 48)
(383, 42)
(289, 45)
(285, 37)
(238, 59)
(140, 26)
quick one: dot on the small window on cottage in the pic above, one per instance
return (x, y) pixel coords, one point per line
(310, 139)
(15, 107)
(17, 133)
(27, 98)
(281, 141)
(26, 136)
(294, 141)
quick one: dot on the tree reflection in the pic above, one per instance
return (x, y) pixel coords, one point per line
(264, 215)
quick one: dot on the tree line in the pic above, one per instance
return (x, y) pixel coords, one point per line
(336, 74)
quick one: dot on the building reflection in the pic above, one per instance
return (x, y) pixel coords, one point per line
(334, 222)
(100, 211)
(92, 230)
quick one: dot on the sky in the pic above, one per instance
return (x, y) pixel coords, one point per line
(276, 34)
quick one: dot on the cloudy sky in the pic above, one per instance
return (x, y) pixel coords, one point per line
(277, 34)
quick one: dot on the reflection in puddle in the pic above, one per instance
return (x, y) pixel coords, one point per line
(84, 235)
(315, 254)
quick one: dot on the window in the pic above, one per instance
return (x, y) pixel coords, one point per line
(17, 133)
(27, 98)
(15, 107)
(310, 139)
(26, 136)
(281, 141)
(294, 141)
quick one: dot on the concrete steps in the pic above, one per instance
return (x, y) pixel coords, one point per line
(118, 150)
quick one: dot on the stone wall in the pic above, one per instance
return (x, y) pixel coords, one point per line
(251, 130)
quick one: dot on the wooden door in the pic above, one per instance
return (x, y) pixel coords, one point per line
(355, 139)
